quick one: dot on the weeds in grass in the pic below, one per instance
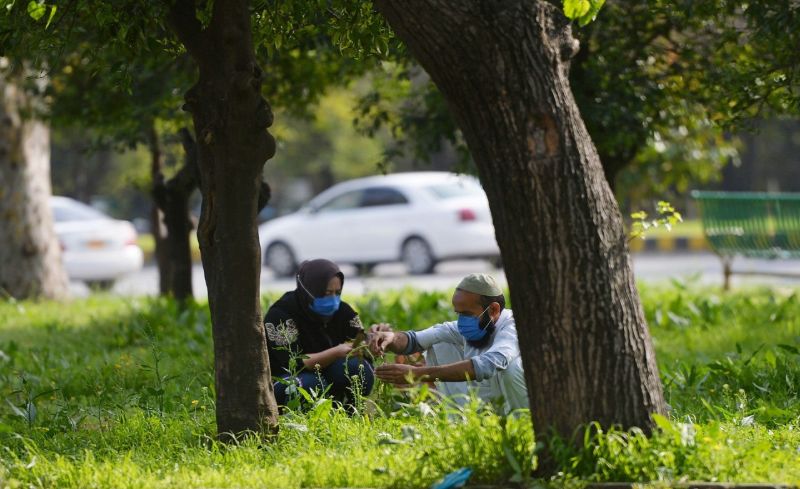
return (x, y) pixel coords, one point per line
(112, 393)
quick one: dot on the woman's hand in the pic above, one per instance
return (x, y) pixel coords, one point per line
(342, 350)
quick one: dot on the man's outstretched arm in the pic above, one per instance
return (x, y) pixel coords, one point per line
(401, 374)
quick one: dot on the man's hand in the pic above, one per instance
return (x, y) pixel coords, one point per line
(380, 341)
(398, 373)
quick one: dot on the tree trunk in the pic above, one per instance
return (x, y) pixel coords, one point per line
(30, 255)
(230, 120)
(611, 168)
(157, 224)
(503, 69)
(172, 200)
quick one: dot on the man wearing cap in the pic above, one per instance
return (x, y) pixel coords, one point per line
(478, 351)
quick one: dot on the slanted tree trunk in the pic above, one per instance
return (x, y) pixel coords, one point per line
(231, 120)
(30, 254)
(157, 224)
(171, 198)
(502, 67)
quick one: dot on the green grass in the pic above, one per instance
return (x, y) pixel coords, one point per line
(106, 392)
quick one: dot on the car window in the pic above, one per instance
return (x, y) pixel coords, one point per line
(462, 188)
(379, 196)
(349, 200)
(75, 212)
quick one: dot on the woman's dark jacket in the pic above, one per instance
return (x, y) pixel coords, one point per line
(290, 324)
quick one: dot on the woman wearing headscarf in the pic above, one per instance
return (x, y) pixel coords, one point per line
(309, 337)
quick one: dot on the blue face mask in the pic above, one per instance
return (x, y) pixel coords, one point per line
(324, 306)
(470, 326)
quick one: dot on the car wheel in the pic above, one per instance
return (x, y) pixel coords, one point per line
(280, 259)
(365, 269)
(417, 256)
(100, 285)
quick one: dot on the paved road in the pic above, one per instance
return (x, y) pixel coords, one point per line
(702, 267)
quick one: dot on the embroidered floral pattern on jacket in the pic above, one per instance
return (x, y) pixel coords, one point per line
(283, 334)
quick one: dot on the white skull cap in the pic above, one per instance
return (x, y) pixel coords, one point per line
(481, 284)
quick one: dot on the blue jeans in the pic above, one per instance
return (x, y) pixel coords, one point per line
(336, 377)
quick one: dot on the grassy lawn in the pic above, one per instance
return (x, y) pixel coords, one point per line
(107, 392)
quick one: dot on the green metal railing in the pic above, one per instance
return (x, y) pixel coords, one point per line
(750, 224)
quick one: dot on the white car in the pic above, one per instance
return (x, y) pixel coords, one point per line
(94, 248)
(419, 218)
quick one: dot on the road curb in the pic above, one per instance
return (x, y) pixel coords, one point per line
(670, 244)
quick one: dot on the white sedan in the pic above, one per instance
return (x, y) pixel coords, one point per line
(419, 218)
(94, 248)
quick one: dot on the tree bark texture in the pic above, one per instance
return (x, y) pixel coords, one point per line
(231, 120)
(172, 200)
(30, 254)
(503, 69)
(157, 224)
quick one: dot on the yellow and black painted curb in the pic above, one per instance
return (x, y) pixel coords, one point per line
(669, 244)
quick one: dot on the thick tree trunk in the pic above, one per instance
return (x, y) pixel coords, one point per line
(30, 255)
(157, 224)
(230, 120)
(172, 200)
(502, 67)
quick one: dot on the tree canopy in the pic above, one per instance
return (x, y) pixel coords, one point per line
(661, 86)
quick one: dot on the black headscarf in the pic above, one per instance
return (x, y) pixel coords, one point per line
(315, 275)
(305, 331)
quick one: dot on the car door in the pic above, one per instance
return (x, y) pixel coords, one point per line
(328, 230)
(382, 223)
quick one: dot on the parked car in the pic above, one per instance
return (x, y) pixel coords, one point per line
(419, 218)
(95, 248)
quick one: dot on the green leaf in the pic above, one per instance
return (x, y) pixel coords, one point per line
(663, 422)
(36, 9)
(50, 18)
(592, 13)
(575, 9)
(19, 412)
(512, 460)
